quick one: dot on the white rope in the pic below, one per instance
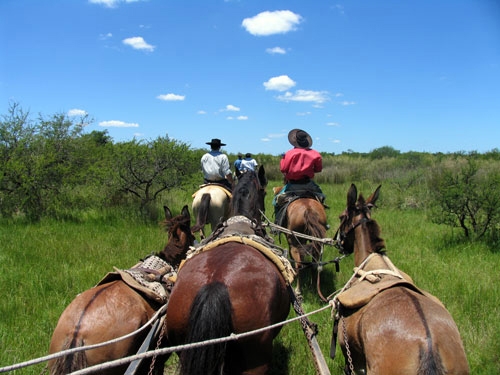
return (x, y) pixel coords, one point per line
(172, 349)
(328, 241)
(82, 348)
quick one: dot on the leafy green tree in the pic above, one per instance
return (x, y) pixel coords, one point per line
(36, 160)
(146, 169)
(468, 196)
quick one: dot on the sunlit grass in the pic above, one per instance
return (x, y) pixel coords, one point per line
(44, 266)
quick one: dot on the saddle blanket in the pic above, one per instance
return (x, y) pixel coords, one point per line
(271, 251)
(374, 276)
(153, 277)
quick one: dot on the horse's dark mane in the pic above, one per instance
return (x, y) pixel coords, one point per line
(245, 199)
(180, 237)
(377, 241)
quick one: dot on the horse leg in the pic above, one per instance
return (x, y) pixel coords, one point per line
(295, 254)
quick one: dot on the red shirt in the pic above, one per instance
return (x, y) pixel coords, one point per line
(299, 163)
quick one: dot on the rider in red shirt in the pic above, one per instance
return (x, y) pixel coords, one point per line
(299, 164)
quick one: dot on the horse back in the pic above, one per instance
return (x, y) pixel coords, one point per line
(100, 314)
(403, 331)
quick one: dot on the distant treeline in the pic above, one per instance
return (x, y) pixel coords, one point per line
(52, 168)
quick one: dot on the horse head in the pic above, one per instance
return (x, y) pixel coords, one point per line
(248, 195)
(180, 236)
(358, 214)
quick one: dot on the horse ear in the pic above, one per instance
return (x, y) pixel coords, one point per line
(168, 213)
(185, 212)
(373, 198)
(352, 195)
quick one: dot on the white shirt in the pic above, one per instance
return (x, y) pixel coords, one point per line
(248, 164)
(215, 166)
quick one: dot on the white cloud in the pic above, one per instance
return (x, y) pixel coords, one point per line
(118, 124)
(138, 42)
(303, 113)
(269, 23)
(317, 97)
(201, 112)
(280, 83)
(105, 36)
(332, 124)
(242, 118)
(111, 3)
(171, 97)
(76, 112)
(276, 51)
(346, 103)
(231, 108)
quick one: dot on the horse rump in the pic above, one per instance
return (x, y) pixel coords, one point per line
(209, 318)
(202, 215)
(68, 363)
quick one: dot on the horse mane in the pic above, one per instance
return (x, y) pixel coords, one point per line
(180, 238)
(245, 196)
(377, 241)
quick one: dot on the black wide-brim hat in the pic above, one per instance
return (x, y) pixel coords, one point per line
(299, 138)
(215, 142)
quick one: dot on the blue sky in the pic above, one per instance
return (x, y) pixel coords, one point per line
(356, 74)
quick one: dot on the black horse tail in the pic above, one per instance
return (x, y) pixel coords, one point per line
(203, 209)
(69, 363)
(430, 363)
(209, 318)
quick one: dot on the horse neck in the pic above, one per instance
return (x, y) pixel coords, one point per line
(175, 251)
(363, 245)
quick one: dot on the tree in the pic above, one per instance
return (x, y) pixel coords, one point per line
(146, 169)
(468, 197)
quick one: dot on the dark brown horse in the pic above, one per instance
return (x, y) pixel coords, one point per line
(306, 215)
(386, 324)
(231, 288)
(114, 309)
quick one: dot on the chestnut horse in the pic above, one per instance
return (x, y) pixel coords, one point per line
(306, 215)
(231, 288)
(210, 206)
(113, 309)
(388, 325)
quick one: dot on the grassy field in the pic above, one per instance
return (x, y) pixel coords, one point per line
(43, 267)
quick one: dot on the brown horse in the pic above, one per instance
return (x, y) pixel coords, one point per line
(231, 288)
(386, 324)
(113, 309)
(210, 206)
(305, 215)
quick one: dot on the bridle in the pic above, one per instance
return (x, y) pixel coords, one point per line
(342, 234)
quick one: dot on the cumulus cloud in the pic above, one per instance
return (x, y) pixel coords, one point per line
(269, 23)
(118, 124)
(76, 112)
(280, 83)
(317, 97)
(138, 42)
(242, 118)
(201, 112)
(111, 3)
(171, 97)
(276, 51)
(231, 108)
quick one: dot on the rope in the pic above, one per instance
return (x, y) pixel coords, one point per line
(328, 241)
(172, 349)
(82, 348)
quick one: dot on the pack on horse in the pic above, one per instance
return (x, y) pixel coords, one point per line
(301, 211)
(386, 324)
(210, 206)
(230, 287)
(113, 308)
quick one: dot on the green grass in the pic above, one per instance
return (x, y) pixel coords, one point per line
(44, 266)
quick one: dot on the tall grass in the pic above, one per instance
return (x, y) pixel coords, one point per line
(43, 266)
